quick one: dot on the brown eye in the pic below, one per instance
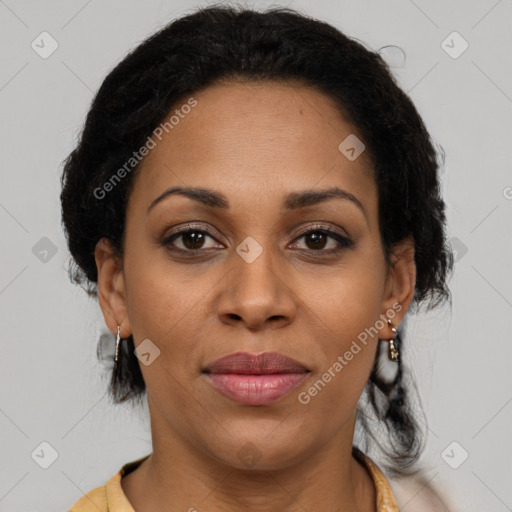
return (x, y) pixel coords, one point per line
(193, 239)
(189, 240)
(317, 239)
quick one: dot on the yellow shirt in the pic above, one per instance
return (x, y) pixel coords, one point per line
(111, 498)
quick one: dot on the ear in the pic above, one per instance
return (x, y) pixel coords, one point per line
(111, 288)
(400, 284)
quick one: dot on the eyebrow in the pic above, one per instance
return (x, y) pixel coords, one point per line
(292, 201)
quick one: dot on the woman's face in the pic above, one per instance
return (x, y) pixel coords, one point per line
(255, 283)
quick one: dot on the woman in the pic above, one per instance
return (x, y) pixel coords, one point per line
(255, 204)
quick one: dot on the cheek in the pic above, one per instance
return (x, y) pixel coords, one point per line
(167, 307)
(348, 300)
(345, 353)
(153, 299)
(346, 310)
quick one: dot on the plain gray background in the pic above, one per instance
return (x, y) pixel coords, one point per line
(53, 386)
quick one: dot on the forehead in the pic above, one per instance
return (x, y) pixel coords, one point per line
(254, 142)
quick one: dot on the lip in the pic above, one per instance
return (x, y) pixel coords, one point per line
(255, 364)
(255, 379)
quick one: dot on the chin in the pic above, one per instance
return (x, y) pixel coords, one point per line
(259, 453)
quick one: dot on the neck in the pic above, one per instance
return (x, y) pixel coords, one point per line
(178, 477)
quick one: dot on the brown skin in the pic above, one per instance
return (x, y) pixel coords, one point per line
(255, 143)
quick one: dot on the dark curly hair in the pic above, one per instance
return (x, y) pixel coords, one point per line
(227, 43)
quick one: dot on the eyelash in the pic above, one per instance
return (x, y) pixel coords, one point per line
(342, 240)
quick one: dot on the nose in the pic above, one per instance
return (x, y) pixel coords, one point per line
(258, 293)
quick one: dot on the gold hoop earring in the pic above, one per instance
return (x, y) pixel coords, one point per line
(393, 354)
